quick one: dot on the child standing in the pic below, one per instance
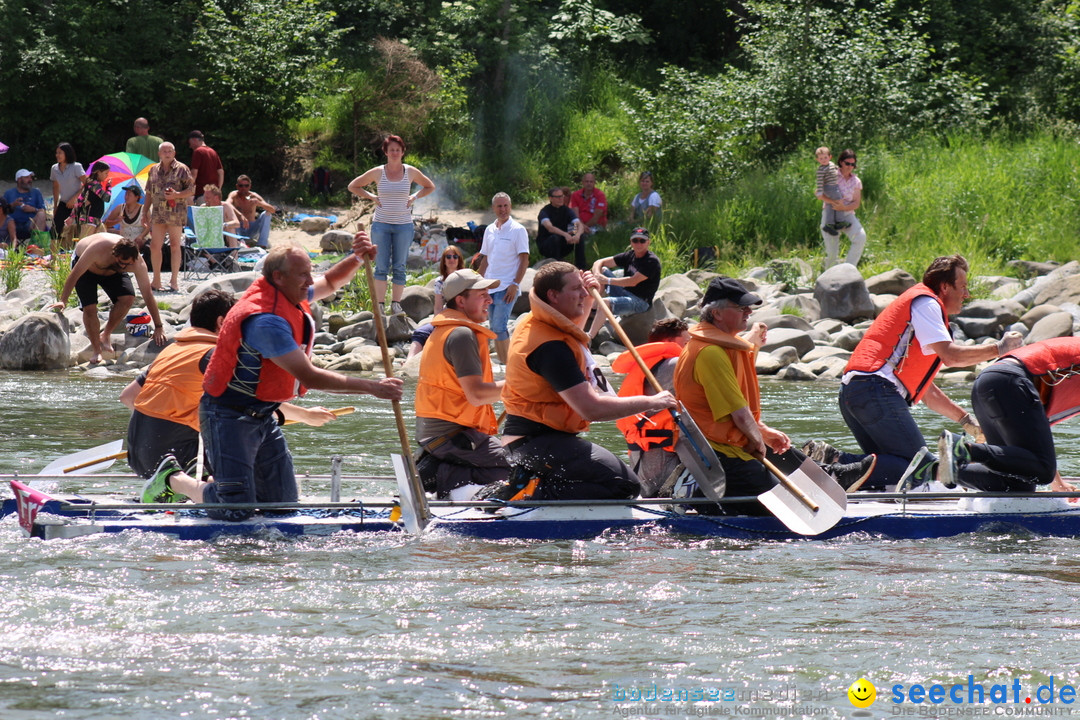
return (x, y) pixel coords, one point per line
(827, 189)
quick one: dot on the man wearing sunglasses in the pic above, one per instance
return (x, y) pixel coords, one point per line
(559, 230)
(633, 292)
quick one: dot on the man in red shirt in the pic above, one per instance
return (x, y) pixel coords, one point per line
(590, 204)
(205, 164)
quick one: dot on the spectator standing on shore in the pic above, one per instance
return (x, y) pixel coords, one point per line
(143, 143)
(504, 256)
(392, 225)
(67, 177)
(591, 205)
(168, 190)
(843, 213)
(206, 166)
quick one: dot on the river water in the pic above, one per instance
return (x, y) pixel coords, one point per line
(143, 627)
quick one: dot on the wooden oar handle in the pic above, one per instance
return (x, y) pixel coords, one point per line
(625, 340)
(791, 487)
(115, 456)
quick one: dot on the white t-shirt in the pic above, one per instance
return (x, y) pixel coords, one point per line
(502, 248)
(929, 328)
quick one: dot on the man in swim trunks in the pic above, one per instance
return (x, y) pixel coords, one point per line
(103, 260)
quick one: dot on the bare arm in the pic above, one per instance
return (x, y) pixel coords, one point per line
(336, 277)
(128, 394)
(483, 264)
(514, 288)
(358, 186)
(316, 416)
(478, 392)
(297, 364)
(940, 403)
(595, 406)
(599, 265)
(426, 186)
(631, 281)
(956, 355)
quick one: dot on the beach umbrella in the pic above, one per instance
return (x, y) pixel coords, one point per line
(125, 168)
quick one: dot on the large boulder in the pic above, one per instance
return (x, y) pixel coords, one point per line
(892, 282)
(418, 302)
(637, 326)
(36, 341)
(1059, 287)
(678, 293)
(336, 241)
(315, 225)
(1037, 313)
(842, 294)
(1059, 324)
(399, 328)
(798, 339)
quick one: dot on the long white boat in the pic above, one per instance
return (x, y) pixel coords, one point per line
(918, 515)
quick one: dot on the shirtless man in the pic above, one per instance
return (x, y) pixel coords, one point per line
(104, 259)
(247, 203)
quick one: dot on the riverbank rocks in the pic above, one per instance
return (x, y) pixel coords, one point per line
(336, 241)
(36, 341)
(841, 292)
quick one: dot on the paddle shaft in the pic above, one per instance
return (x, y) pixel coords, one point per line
(625, 340)
(403, 435)
(790, 486)
(338, 412)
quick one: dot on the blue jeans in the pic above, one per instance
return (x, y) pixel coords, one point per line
(392, 243)
(258, 230)
(881, 422)
(499, 315)
(250, 457)
(623, 302)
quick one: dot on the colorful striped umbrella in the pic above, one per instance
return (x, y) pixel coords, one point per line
(124, 169)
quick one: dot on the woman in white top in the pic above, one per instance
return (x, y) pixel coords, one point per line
(128, 216)
(850, 199)
(392, 226)
(646, 204)
(67, 178)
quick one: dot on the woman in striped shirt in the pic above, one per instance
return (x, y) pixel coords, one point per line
(392, 225)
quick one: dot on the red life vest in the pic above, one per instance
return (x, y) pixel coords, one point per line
(1055, 367)
(646, 431)
(275, 383)
(889, 331)
(439, 394)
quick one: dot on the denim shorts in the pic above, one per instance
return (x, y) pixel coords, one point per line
(499, 315)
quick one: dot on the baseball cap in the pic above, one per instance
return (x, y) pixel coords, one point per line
(639, 232)
(724, 288)
(20, 174)
(134, 187)
(459, 281)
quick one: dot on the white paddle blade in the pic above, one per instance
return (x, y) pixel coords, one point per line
(698, 456)
(410, 510)
(57, 467)
(790, 509)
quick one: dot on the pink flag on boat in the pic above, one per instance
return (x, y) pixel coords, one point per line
(28, 501)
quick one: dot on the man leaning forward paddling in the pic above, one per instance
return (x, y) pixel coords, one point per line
(455, 423)
(262, 360)
(554, 389)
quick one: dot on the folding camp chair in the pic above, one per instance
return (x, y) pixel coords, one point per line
(207, 252)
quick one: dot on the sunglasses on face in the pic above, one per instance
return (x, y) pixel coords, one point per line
(244, 185)
(638, 241)
(453, 257)
(848, 162)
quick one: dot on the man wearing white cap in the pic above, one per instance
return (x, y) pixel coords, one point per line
(27, 204)
(455, 423)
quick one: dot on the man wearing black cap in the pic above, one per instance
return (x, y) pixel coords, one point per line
(455, 423)
(717, 382)
(633, 292)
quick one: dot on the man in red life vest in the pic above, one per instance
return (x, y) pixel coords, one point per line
(1017, 399)
(893, 367)
(651, 438)
(263, 359)
(455, 423)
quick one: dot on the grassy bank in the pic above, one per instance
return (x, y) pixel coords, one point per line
(991, 199)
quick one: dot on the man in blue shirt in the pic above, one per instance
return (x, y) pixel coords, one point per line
(27, 205)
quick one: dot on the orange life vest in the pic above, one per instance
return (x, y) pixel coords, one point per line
(646, 431)
(1055, 367)
(691, 393)
(275, 383)
(915, 371)
(525, 393)
(439, 394)
(174, 383)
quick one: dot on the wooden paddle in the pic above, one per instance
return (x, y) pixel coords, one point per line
(416, 496)
(338, 412)
(693, 448)
(102, 455)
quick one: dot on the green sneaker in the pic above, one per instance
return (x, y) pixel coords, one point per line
(954, 455)
(919, 472)
(156, 489)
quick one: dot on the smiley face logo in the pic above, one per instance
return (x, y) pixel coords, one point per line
(862, 693)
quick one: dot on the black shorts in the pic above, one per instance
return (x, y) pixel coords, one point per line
(115, 286)
(150, 439)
